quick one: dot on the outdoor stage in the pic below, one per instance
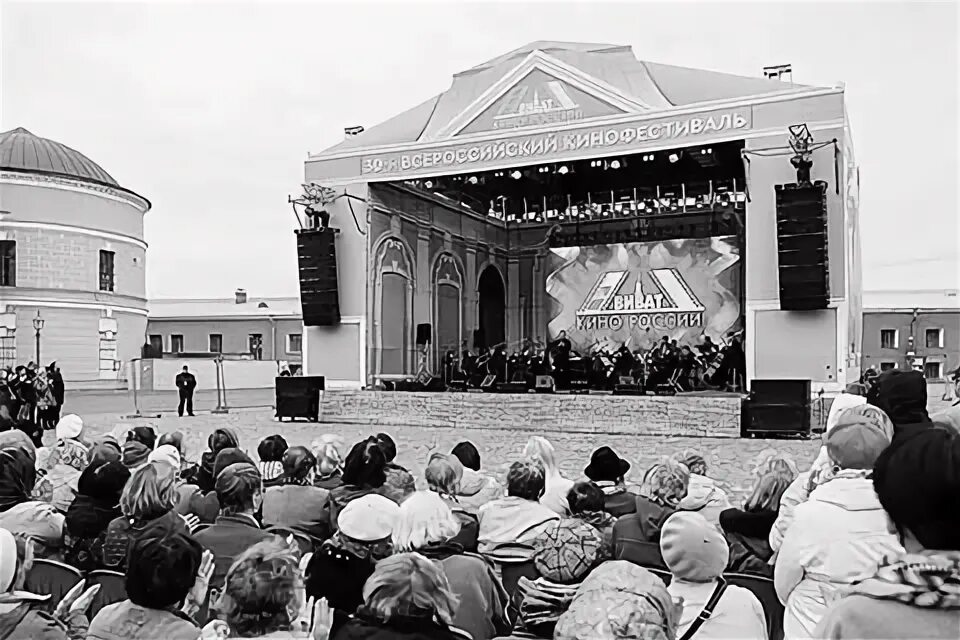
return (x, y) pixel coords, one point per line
(699, 415)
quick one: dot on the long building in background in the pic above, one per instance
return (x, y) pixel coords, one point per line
(572, 187)
(72, 263)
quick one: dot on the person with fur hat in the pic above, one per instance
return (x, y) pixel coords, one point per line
(296, 503)
(426, 524)
(703, 494)
(840, 532)
(25, 615)
(564, 553)
(902, 395)
(475, 489)
(338, 570)
(697, 555)
(608, 471)
(917, 480)
(619, 600)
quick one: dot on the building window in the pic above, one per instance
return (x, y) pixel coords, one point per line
(156, 344)
(294, 343)
(933, 370)
(889, 339)
(886, 366)
(106, 270)
(256, 345)
(216, 343)
(933, 338)
(176, 343)
(8, 263)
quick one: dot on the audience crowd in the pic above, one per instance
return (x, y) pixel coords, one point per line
(341, 542)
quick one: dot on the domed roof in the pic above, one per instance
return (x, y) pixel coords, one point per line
(20, 150)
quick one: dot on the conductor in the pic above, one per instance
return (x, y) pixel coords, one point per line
(186, 383)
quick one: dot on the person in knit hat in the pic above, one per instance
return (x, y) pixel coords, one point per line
(135, 455)
(917, 480)
(697, 554)
(271, 450)
(902, 395)
(841, 532)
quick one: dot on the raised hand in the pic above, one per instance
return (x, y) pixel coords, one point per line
(322, 620)
(215, 630)
(81, 604)
(191, 521)
(198, 593)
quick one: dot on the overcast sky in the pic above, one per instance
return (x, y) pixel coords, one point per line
(209, 109)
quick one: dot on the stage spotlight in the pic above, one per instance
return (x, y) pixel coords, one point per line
(428, 184)
(615, 164)
(673, 157)
(473, 179)
(516, 175)
(563, 169)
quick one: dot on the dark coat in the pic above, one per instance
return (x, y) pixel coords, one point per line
(186, 383)
(338, 575)
(747, 534)
(620, 503)
(636, 537)
(227, 538)
(366, 628)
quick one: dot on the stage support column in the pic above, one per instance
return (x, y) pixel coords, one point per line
(421, 298)
(513, 301)
(538, 317)
(470, 296)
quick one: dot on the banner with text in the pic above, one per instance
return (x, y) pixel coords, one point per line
(636, 293)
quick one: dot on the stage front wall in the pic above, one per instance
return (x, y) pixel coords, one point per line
(636, 293)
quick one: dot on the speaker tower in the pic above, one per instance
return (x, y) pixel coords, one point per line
(319, 292)
(802, 246)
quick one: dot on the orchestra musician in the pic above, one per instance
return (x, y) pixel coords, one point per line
(560, 354)
(709, 348)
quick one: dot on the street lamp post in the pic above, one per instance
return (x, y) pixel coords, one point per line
(38, 327)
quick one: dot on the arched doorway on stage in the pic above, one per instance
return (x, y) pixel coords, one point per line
(393, 298)
(447, 307)
(491, 296)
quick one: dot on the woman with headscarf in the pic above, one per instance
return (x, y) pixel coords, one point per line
(636, 537)
(557, 487)
(364, 472)
(188, 469)
(65, 461)
(219, 440)
(296, 503)
(18, 510)
(96, 505)
(443, 475)
(841, 532)
(25, 615)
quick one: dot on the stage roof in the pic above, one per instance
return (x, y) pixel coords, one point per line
(546, 83)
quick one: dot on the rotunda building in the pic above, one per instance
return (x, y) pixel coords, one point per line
(72, 263)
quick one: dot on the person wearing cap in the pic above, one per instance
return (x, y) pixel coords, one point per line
(25, 615)
(917, 480)
(443, 474)
(296, 503)
(426, 524)
(608, 470)
(697, 555)
(703, 494)
(239, 489)
(340, 567)
(840, 533)
(854, 395)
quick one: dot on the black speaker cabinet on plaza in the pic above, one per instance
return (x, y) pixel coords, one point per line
(778, 408)
(319, 293)
(299, 397)
(802, 246)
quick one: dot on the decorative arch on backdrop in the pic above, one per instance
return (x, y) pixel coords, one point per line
(447, 305)
(491, 307)
(393, 307)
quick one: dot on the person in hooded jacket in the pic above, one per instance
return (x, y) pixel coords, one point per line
(917, 480)
(703, 494)
(902, 395)
(219, 440)
(364, 472)
(96, 505)
(608, 470)
(426, 524)
(840, 533)
(636, 536)
(476, 488)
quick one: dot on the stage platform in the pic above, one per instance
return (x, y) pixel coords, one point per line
(701, 415)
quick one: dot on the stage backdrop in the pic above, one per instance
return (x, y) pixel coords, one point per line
(605, 295)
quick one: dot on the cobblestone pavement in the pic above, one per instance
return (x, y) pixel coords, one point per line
(729, 460)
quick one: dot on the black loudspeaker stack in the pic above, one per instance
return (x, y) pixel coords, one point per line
(319, 293)
(802, 246)
(423, 334)
(299, 397)
(778, 408)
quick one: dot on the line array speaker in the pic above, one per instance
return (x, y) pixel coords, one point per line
(319, 293)
(802, 246)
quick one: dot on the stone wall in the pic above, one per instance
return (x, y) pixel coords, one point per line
(627, 415)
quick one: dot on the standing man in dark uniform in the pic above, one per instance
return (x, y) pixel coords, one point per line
(560, 355)
(56, 382)
(186, 383)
